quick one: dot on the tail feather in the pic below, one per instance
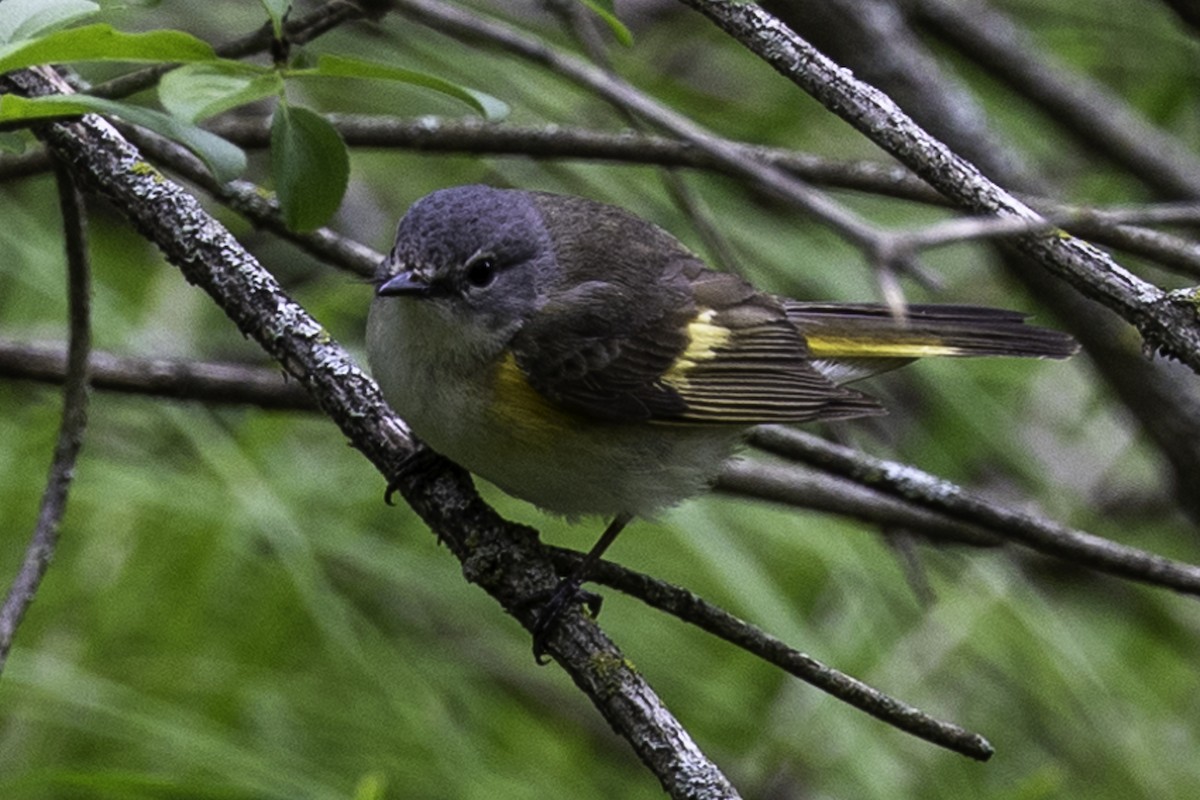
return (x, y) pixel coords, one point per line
(867, 330)
(849, 341)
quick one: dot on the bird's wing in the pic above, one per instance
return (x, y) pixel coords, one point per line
(700, 347)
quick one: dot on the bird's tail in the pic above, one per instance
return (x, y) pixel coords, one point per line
(860, 339)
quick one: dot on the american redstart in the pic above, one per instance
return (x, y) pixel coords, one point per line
(583, 359)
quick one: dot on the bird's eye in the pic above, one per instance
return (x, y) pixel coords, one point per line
(481, 273)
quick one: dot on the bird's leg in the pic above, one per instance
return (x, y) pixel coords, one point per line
(570, 588)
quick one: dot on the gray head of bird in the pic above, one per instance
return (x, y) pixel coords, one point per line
(473, 257)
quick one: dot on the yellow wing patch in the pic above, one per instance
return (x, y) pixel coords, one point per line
(704, 338)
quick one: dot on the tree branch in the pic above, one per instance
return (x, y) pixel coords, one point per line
(1042, 535)
(180, 379)
(231, 383)
(695, 610)
(815, 490)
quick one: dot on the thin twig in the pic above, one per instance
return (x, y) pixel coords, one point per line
(479, 137)
(298, 31)
(249, 200)
(44, 541)
(582, 25)
(695, 610)
(1109, 226)
(1038, 534)
(1115, 221)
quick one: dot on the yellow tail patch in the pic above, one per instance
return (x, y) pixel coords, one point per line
(854, 347)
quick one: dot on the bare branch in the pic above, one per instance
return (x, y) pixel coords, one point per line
(181, 379)
(1160, 395)
(44, 541)
(1112, 227)
(819, 491)
(230, 383)
(478, 137)
(1031, 531)
(695, 610)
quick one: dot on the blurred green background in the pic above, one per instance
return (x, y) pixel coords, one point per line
(233, 612)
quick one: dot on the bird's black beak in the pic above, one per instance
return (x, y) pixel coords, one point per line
(407, 283)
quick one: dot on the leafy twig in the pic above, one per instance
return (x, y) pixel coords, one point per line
(300, 30)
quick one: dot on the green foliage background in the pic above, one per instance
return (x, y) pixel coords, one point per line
(234, 612)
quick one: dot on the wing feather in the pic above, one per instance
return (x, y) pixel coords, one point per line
(719, 353)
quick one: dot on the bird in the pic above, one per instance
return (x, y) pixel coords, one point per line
(583, 359)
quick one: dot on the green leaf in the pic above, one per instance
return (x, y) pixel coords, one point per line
(223, 159)
(277, 10)
(310, 165)
(197, 91)
(104, 43)
(607, 12)
(24, 19)
(331, 66)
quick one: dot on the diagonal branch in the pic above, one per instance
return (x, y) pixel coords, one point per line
(704, 615)
(1038, 534)
(235, 383)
